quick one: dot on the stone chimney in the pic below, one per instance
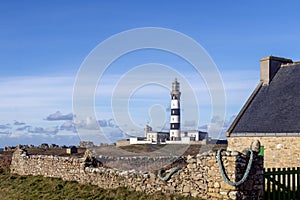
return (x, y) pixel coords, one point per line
(269, 65)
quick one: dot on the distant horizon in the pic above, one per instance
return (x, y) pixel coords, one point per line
(69, 145)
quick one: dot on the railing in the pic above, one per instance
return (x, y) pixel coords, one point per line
(282, 183)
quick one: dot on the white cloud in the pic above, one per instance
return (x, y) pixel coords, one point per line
(5, 126)
(68, 126)
(57, 116)
(5, 132)
(30, 98)
(23, 128)
(41, 130)
(35, 91)
(17, 123)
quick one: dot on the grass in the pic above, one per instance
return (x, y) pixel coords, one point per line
(36, 187)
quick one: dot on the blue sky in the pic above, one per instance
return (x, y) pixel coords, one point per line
(43, 44)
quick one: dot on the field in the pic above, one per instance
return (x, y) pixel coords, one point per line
(189, 150)
(13, 186)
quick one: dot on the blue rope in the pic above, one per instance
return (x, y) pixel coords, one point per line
(167, 176)
(224, 175)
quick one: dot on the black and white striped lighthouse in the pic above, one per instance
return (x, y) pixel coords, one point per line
(175, 112)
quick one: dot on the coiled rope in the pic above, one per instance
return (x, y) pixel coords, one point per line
(224, 175)
(168, 175)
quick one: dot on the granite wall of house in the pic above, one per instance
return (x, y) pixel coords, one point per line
(279, 152)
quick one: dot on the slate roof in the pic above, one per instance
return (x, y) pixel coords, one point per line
(273, 108)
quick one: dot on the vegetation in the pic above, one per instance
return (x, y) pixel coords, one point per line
(36, 187)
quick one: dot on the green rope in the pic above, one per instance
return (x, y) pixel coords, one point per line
(168, 175)
(224, 175)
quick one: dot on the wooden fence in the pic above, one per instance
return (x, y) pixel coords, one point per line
(282, 183)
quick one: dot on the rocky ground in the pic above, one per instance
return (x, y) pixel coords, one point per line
(157, 149)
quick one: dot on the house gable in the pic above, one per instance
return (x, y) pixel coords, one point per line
(274, 107)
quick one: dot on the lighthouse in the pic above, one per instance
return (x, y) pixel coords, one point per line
(175, 112)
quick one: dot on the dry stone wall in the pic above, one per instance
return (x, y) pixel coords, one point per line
(140, 163)
(200, 178)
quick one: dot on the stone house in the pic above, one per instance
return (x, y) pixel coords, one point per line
(71, 150)
(86, 144)
(272, 114)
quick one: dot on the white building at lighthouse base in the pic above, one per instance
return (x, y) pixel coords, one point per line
(154, 137)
